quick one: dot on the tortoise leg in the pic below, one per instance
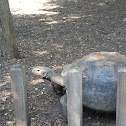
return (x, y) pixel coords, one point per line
(59, 90)
(63, 102)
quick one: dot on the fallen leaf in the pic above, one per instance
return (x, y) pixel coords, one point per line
(33, 107)
(6, 114)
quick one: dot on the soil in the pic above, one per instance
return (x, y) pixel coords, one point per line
(54, 34)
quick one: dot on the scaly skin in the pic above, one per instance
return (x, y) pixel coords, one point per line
(48, 74)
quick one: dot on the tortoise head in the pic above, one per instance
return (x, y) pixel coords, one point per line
(40, 70)
(48, 74)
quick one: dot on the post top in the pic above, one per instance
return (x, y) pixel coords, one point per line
(17, 67)
(74, 70)
(122, 69)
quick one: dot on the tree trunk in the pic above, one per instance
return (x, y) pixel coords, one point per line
(8, 46)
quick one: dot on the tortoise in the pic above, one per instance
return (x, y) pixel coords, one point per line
(99, 79)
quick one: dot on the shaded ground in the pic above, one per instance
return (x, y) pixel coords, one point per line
(55, 34)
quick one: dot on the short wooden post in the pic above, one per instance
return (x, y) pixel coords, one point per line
(19, 92)
(74, 97)
(121, 97)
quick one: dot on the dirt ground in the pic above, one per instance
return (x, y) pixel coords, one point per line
(53, 33)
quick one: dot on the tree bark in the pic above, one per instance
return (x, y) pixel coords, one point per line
(8, 45)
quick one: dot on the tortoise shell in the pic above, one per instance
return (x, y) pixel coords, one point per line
(99, 79)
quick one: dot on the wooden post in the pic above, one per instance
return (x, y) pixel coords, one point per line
(74, 97)
(121, 97)
(19, 92)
